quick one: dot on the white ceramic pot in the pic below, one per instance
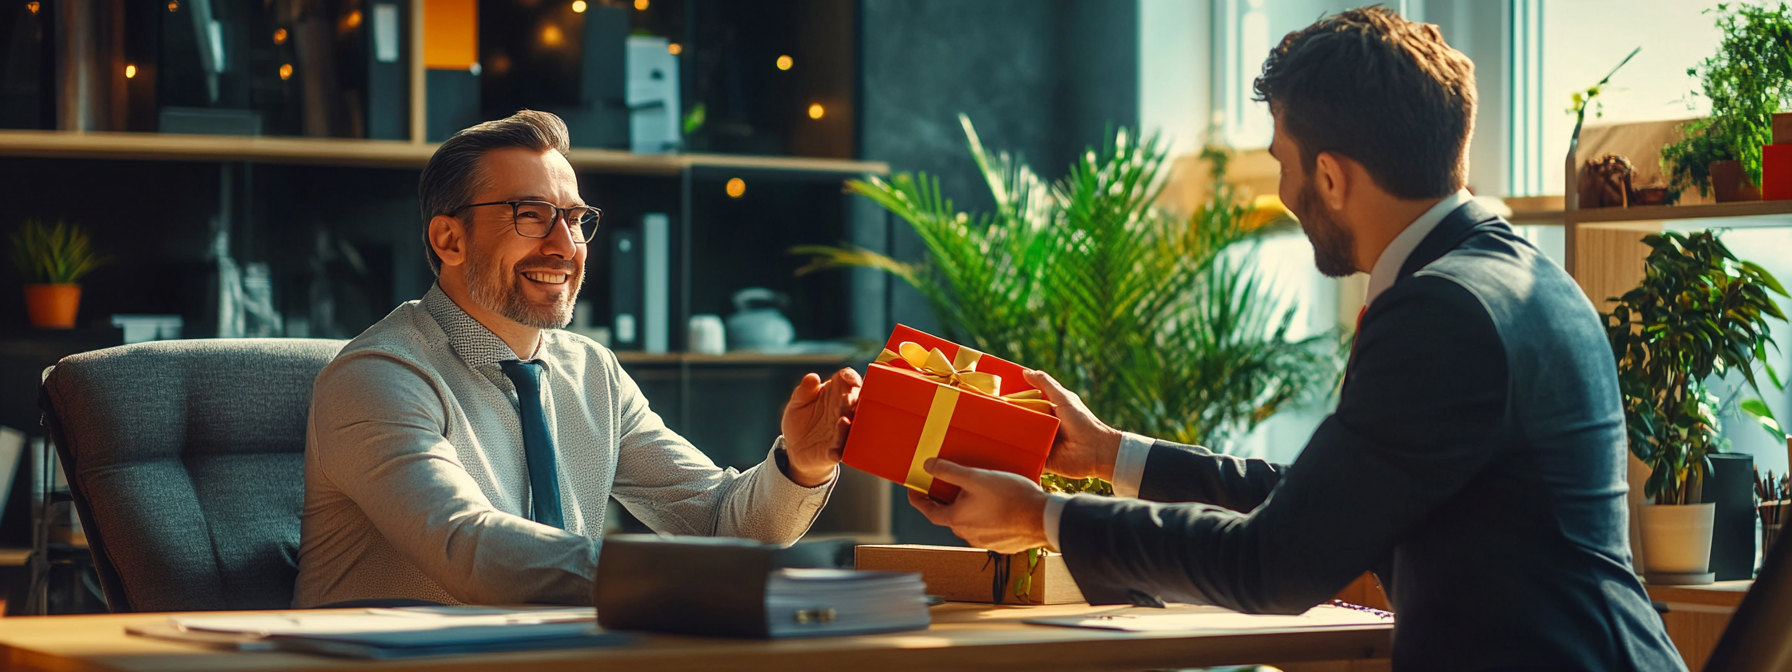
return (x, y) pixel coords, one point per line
(1677, 538)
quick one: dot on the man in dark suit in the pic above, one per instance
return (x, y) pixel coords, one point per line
(1476, 459)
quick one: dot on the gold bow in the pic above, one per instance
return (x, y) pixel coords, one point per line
(961, 372)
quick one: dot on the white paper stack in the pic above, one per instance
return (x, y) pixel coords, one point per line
(823, 602)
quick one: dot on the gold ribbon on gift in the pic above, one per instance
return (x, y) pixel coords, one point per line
(953, 375)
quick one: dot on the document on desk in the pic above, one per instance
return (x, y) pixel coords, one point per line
(1196, 618)
(393, 633)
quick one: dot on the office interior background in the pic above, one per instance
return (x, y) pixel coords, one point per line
(715, 135)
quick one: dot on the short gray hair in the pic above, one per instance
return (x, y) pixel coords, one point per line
(452, 175)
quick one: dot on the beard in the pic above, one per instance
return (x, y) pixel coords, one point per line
(501, 290)
(1334, 247)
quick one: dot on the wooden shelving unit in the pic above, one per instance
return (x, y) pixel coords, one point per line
(1745, 213)
(373, 153)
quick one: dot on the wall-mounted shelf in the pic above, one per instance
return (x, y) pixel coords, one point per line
(742, 358)
(1741, 213)
(373, 153)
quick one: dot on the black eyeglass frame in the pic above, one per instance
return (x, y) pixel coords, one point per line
(560, 214)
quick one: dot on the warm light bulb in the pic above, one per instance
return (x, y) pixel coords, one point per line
(279, 36)
(641, 5)
(578, 6)
(32, 7)
(674, 48)
(784, 62)
(130, 71)
(353, 20)
(816, 111)
(286, 71)
(173, 5)
(736, 187)
(552, 36)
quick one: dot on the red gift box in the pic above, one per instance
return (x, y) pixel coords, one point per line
(930, 397)
(1776, 173)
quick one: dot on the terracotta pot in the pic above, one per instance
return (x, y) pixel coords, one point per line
(52, 306)
(1677, 538)
(1728, 183)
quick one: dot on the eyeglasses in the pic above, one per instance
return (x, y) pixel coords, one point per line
(536, 219)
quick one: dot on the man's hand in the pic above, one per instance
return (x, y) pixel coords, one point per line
(995, 510)
(1085, 446)
(815, 424)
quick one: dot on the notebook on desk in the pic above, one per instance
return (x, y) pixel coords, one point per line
(736, 588)
(392, 633)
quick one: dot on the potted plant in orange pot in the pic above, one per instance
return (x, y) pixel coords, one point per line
(53, 259)
(1699, 312)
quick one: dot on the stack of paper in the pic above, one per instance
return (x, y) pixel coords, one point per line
(1196, 618)
(393, 633)
(821, 602)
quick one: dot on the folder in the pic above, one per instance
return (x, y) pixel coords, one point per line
(740, 588)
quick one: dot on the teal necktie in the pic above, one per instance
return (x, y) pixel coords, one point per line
(538, 443)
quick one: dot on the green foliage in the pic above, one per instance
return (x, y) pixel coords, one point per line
(1748, 80)
(1687, 162)
(1590, 96)
(1699, 312)
(53, 254)
(1160, 323)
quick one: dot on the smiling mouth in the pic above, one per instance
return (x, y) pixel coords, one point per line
(547, 277)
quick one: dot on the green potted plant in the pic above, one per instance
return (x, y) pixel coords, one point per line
(1747, 81)
(1158, 321)
(53, 259)
(1698, 312)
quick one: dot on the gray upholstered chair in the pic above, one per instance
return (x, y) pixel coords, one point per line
(185, 460)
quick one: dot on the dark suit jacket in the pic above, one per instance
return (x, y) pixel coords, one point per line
(1475, 462)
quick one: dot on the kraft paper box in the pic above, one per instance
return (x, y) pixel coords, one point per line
(969, 574)
(930, 397)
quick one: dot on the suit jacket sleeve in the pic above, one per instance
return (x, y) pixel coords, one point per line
(1179, 473)
(1425, 390)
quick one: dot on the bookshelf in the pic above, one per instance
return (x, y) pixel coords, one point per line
(372, 153)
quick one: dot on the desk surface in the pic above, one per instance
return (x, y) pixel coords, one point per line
(963, 636)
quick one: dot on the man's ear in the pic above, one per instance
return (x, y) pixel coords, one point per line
(448, 236)
(1332, 180)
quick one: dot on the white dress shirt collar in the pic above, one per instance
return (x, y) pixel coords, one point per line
(1387, 268)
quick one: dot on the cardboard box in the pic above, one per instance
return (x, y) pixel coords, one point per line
(929, 397)
(968, 574)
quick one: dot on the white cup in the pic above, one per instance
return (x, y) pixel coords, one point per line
(706, 335)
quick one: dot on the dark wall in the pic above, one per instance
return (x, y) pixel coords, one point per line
(1041, 79)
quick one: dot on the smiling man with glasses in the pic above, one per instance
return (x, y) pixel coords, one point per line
(463, 449)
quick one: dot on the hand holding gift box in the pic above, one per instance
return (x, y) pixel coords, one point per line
(929, 397)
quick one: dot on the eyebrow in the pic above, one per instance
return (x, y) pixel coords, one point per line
(544, 199)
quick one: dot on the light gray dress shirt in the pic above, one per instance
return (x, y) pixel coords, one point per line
(416, 485)
(1129, 464)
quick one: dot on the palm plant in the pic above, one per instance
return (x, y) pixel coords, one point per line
(1698, 312)
(1160, 323)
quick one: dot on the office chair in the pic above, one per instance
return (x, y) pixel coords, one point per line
(1756, 638)
(185, 461)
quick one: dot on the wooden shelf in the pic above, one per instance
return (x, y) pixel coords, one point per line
(738, 358)
(1535, 210)
(1768, 212)
(373, 153)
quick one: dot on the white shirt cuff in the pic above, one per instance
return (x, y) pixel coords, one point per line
(1129, 464)
(1054, 510)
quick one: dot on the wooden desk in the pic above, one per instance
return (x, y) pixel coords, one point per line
(963, 636)
(1697, 615)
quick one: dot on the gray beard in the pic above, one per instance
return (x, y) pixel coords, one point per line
(486, 286)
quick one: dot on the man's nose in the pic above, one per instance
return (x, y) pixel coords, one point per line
(562, 241)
